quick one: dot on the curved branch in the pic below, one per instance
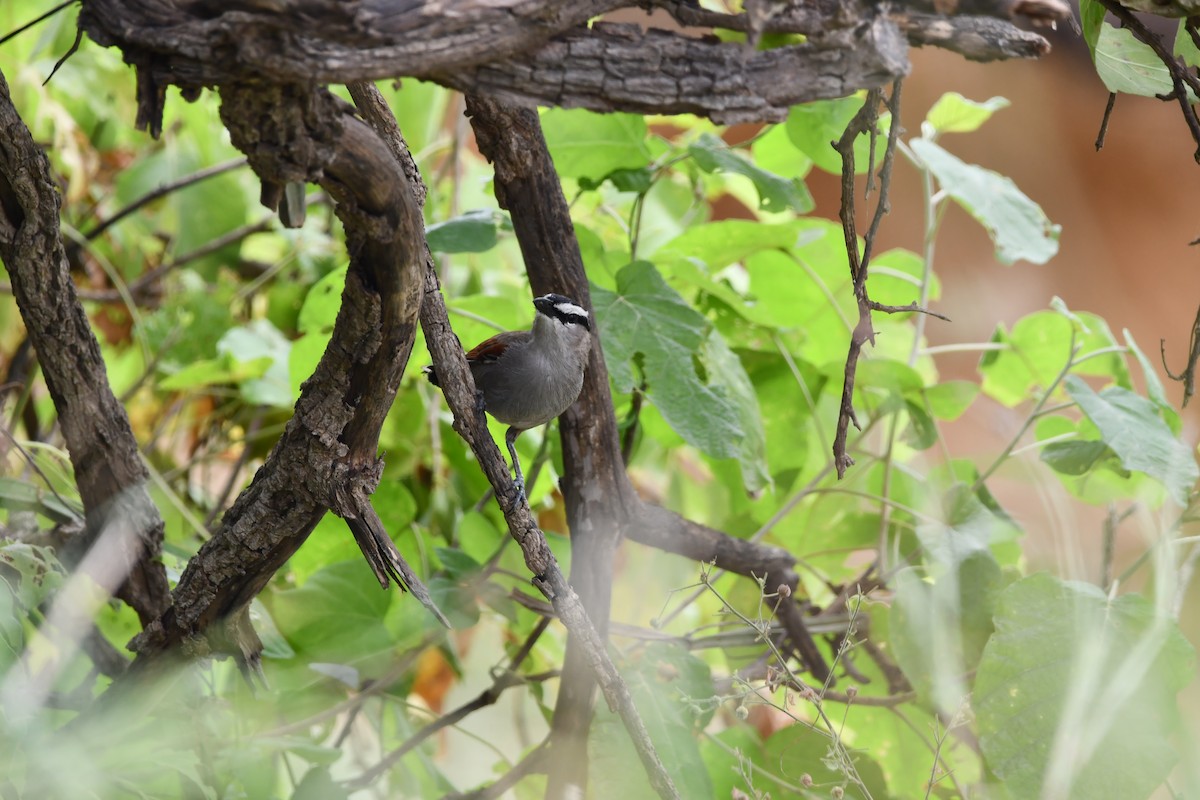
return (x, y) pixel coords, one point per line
(326, 458)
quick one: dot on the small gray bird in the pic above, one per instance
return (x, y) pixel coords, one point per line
(528, 378)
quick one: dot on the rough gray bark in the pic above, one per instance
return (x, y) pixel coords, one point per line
(540, 50)
(104, 453)
(619, 68)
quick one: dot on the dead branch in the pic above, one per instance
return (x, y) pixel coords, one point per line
(104, 453)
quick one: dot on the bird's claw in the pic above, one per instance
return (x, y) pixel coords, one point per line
(519, 486)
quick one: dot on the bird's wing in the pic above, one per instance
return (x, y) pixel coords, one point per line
(490, 350)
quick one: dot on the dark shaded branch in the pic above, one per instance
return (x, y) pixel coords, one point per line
(326, 458)
(326, 41)
(108, 469)
(458, 387)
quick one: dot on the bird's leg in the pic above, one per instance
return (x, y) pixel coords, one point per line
(510, 439)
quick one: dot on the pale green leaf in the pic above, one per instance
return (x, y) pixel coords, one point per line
(1017, 225)
(953, 113)
(1130, 66)
(472, 232)
(1131, 426)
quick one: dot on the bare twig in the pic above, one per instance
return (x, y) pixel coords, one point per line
(1182, 78)
(864, 332)
(1188, 376)
(1108, 109)
(163, 191)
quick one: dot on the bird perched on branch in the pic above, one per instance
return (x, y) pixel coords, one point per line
(527, 378)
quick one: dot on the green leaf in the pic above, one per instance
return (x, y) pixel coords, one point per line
(1130, 66)
(1184, 46)
(666, 685)
(16, 495)
(773, 151)
(813, 127)
(1075, 457)
(800, 749)
(1038, 349)
(953, 113)
(1131, 426)
(1154, 387)
(698, 385)
(337, 615)
(1091, 17)
(1075, 694)
(940, 623)
(719, 244)
(1017, 225)
(32, 573)
(253, 342)
(472, 232)
(951, 399)
(584, 144)
(775, 193)
(318, 784)
(322, 302)
(214, 372)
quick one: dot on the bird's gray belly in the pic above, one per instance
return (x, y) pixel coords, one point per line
(525, 401)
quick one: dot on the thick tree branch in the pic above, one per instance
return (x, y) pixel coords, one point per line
(601, 503)
(458, 386)
(619, 68)
(326, 458)
(104, 453)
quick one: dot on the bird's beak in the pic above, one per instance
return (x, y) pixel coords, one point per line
(543, 304)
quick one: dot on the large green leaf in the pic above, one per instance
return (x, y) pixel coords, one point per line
(337, 615)
(699, 386)
(1075, 694)
(800, 749)
(1130, 425)
(589, 145)
(1017, 225)
(1130, 66)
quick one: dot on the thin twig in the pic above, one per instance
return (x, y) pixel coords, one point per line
(501, 681)
(12, 34)
(863, 331)
(162, 191)
(1188, 376)
(1108, 109)
(1181, 77)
